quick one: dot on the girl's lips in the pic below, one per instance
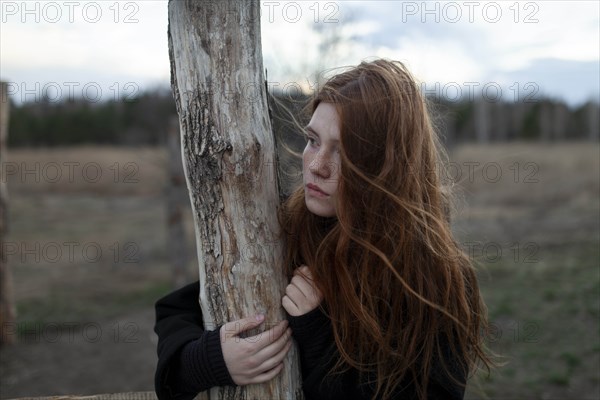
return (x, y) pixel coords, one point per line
(315, 190)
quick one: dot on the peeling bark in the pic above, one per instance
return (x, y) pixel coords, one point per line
(230, 167)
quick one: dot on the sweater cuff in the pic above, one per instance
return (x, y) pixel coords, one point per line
(202, 363)
(304, 327)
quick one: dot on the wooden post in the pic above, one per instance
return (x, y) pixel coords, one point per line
(230, 168)
(176, 240)
(7, 306)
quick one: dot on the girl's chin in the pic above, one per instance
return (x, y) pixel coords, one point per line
(320, 210)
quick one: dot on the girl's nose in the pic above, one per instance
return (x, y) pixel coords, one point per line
(320, 166)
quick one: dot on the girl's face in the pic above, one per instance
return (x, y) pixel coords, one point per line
(321, 161)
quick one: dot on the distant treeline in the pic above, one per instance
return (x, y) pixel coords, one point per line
(144, 120)
(141, 120)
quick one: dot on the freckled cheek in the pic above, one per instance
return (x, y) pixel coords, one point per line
(336, 172)
(336, 166)
(307, 158)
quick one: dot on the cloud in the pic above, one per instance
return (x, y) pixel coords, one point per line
(575, 82)
(123, 39)
(490, 41)
(440, 41)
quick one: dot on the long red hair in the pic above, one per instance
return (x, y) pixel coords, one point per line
(394, 279)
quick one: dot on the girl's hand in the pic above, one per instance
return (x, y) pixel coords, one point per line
(301, 295)
(254, 359)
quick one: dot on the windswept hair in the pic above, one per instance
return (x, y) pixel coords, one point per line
(397, 286)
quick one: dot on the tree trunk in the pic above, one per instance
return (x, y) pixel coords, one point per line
(176, 207)
(7, 306)
(230, 168)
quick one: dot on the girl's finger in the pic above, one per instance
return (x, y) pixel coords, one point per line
(275, 347)
(290, 306)
(268, 337)
(303, 285)
(304, 271)
(267, 376)
(234, 328)
(277, 358)
(294, 293)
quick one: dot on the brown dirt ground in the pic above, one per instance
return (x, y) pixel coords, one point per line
(105, 309)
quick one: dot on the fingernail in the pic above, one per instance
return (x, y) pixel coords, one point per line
(259, 317)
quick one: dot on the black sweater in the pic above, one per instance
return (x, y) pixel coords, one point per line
(190, 359)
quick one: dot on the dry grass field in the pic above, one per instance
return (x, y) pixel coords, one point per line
(87, 247)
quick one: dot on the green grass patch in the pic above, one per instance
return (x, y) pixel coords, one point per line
(544, 322)
(63, 307)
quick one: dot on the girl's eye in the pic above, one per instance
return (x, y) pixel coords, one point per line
(311, 140)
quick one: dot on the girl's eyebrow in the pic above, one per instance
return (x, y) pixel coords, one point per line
(308, 128)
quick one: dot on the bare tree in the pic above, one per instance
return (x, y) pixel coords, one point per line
(230, 167)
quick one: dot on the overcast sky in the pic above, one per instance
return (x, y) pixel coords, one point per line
(522, 49)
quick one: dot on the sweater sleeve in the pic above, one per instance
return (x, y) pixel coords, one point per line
(314, 336)
(190, 359)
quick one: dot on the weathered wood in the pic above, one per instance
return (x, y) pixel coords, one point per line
(7, 306)
(176, 206)
(230, 167)
(114, 396)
